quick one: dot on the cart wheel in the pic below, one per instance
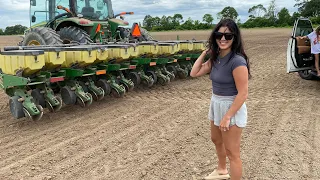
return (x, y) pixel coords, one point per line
(16, 107)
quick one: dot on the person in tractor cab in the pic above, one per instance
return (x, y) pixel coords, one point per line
(314, 38)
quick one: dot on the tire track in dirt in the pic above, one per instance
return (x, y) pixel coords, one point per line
(286, 155)
(314, 139)
(151, 146)
(131, 145)
(257, 134)
(54, 146)
(67, 120)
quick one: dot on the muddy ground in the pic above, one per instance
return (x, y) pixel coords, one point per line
(163, 132)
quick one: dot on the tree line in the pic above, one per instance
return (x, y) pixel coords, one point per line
(259, 16)
(13, 30)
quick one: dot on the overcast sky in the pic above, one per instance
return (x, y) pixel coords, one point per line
(14, 12)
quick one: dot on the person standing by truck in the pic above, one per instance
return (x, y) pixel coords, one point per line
(314, 38)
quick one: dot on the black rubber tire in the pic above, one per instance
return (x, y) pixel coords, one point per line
(172, 69)
(43, 35)
(307, 75)
(153, 75)
(72, 33)
(38, 97)
(68, 96)
(16, 107)
(135, 78)
(104, 85)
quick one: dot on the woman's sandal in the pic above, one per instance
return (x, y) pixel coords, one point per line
(216, 175)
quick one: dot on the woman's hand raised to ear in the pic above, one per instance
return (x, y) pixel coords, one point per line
(199, 68)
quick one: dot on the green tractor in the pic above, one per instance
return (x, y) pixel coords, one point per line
(55, 22)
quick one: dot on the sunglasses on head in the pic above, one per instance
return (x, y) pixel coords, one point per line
(227, 36)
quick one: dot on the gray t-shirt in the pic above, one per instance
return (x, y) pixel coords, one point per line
(221, 75)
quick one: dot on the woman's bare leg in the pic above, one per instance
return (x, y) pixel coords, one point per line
(216, 138)
(231, 140)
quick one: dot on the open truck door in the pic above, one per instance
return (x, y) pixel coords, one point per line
(299, 57)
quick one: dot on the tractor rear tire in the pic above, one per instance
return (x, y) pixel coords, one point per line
(41, 36)
(72, 33)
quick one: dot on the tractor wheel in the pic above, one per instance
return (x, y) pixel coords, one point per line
(69, 34)
(41, 36)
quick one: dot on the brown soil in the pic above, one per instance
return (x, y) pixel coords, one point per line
(163, 133)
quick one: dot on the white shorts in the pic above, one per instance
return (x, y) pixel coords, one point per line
(220, 105)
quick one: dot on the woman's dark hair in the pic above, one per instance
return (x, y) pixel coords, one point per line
(237, 45)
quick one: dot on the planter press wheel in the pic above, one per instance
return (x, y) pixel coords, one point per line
(163, 81)
(172, 69)
(183, 74)
(153, 75)
(171, 76)
(101, 96)
(97, 97)
(34, 117)
(116, 94)
(147, 83)
(125, 86)
(85, 104)
(54, 108)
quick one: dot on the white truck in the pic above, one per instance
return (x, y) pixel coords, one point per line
(299, 57)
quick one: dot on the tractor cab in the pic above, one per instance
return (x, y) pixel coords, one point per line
(50, 10)
(299, 57)
(81, 21)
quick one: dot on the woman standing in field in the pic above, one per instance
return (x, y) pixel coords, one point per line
(229, 71)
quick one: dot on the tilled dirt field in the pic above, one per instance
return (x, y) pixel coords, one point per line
(164, 133)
